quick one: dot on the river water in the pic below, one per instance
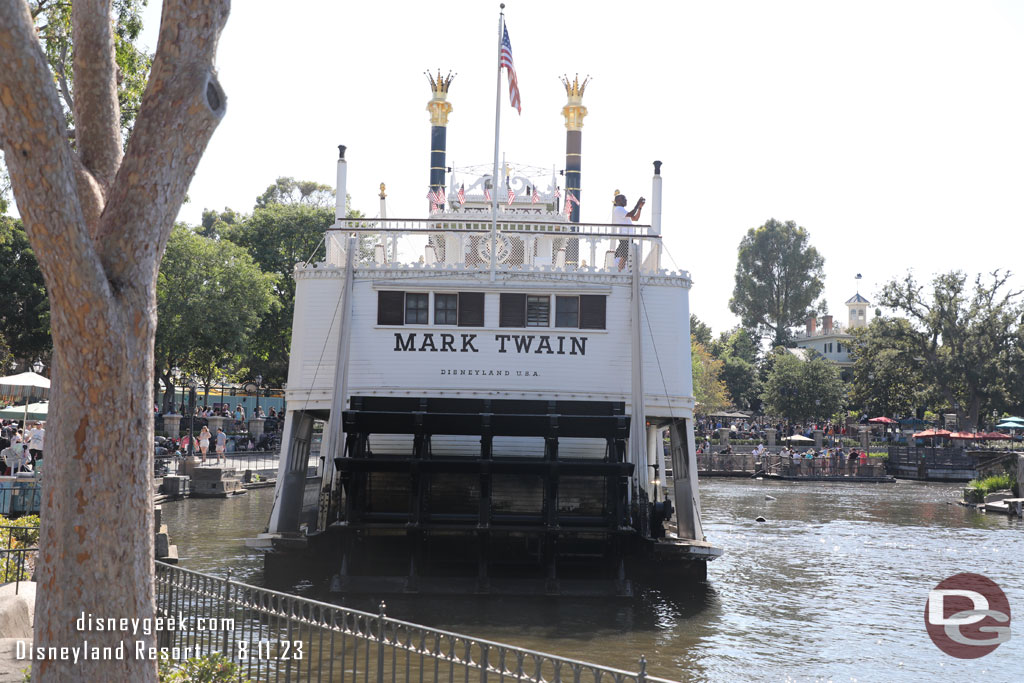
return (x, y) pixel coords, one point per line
(832, 587)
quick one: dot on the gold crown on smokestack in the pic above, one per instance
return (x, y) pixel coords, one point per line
(440, 84)
(574, 89)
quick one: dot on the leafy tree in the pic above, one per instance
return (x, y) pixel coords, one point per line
(278, 236)
(968, 338)
(699, 330)
(738, 350)
(778, 277)
(799, 389)
(290, 191)
(24, 309)
(53, 27)
(214, 224)
(211, 296)
(98, 216)
(887, 378)
(708, 388)
(6, 359)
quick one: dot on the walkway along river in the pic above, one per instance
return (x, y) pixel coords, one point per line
(831, 587)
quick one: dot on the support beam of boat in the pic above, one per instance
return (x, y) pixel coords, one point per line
(637, 433)
(336, 433)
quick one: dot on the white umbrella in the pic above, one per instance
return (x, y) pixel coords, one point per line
(31, 411)
(24, 385)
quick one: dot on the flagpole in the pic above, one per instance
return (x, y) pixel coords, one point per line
(494, 175)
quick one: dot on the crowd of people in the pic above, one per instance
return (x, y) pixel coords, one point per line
(758, 428)
(21, 447)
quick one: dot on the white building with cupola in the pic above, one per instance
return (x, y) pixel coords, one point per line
(831, 339)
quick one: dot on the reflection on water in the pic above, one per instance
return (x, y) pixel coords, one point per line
(831, 587)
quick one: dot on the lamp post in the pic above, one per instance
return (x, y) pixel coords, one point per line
(259, 385)
(192, 384)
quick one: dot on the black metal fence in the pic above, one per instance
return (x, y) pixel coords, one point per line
(955, 458)
(19, 548)
(280, 637)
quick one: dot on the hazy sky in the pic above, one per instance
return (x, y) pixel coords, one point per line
(891, 130)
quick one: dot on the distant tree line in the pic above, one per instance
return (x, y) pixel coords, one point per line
(953, 345)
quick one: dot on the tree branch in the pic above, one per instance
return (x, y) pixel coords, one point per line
(97, 116)
(62, 78)
(42, 165)
(182, 106)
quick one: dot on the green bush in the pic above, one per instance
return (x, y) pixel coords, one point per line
(998, 482)
(212, 668)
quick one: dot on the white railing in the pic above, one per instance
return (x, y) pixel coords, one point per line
(519, 245)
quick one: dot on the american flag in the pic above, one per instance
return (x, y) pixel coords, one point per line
(513, 83)
(433, 207)
(439, 196)
(568, 208)
(462, 194)
(536, 197)
(487, 194)
(570, 198)
(558, 193)
(511, 196)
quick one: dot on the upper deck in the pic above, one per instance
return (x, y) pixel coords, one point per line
(463, 243)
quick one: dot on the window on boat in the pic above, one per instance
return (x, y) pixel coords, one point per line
(512, 310)
(390, 308)
(471, 309)
(446, 309)
(567, 311)
(592, 311)
(416, 308)
(538, 311)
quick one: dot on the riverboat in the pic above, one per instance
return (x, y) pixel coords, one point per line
(495, 381)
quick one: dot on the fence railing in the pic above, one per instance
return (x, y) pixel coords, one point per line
(280, 637)
(19, 548)
(519, 245)
(820, 466)
(931, 457)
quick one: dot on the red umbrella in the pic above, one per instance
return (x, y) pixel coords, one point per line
(965, 435)
(931, 432)
(994, 436)
(882, 420)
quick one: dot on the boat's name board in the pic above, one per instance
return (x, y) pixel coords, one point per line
(505, 343)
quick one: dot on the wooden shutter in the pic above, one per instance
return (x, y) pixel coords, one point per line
(390, 308)
(471, 309)
(513, 310)
(592, 311)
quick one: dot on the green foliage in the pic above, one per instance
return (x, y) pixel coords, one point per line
(53, 25)
(24, 306)
(887, 378)
(211, 297)
(778, 277)
(998, 482)
(53, 21)
(5, 356)
(288, 191)
(18, 566)
(277, 237)
(699, 330)
(212, 668)
(803, 389)
(708, 388)
(970, 340)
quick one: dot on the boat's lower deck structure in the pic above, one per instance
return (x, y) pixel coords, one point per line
(545, 504)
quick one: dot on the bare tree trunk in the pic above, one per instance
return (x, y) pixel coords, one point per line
(98, 224)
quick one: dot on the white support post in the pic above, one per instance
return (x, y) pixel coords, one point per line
(340, 190)
(637, 432)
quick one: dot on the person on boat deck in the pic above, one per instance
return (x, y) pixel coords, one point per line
(621, 217)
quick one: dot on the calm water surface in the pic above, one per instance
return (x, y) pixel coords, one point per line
(831, 588)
